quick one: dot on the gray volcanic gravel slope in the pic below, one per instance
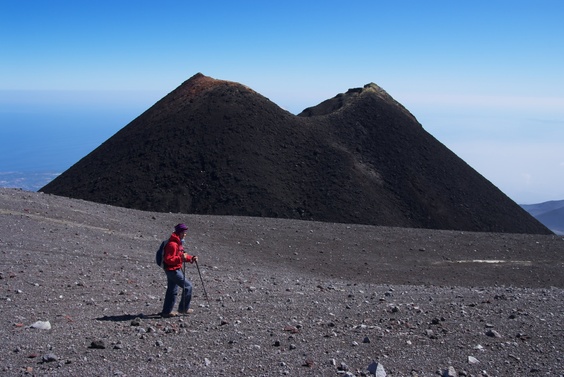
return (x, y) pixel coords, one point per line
(286, 297)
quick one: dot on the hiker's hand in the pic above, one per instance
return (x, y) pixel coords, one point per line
(194, 259)
(186, 257)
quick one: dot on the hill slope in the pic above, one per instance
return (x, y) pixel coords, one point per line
(550, 213)
(218, 147)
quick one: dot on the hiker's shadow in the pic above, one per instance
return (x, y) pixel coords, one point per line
(122, 318)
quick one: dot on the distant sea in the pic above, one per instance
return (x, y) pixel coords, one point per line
(28, 181)
(43, 133)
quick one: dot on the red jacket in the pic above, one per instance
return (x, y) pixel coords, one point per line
(173, 253)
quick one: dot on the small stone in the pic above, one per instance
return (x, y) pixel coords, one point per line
(136, 322)
(472, 360)
(41, 325)
(291, 329)
(377, 369)
(493, 333)
(207, 361)
(450, 372)
(49, 358)
(514, 357)
(98, 344)
(366, 340)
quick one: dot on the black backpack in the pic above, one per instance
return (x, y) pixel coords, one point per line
(159, 256)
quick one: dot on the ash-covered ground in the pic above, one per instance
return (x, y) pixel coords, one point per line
(285, 297)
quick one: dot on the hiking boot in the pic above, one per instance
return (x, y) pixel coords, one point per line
(189, 311)
(169, 315)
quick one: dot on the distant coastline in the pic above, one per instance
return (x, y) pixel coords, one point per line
(29, 181)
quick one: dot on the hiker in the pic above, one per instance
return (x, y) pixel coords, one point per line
(174, 256)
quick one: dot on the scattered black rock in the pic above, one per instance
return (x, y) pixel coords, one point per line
(49, 357)
(98, 344)
(493, 333)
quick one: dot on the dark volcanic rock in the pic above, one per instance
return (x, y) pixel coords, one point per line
(217, 147)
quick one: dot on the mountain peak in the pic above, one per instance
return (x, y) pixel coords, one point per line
(217, 147)
(350, 97)
(373, 88)
(199, 83)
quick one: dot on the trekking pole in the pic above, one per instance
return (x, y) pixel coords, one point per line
(184, 284)
(203, 286)
(184, 279)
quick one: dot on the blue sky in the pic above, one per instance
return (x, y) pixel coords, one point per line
(486, 78)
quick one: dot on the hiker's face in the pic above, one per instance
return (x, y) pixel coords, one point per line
(183, 234)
